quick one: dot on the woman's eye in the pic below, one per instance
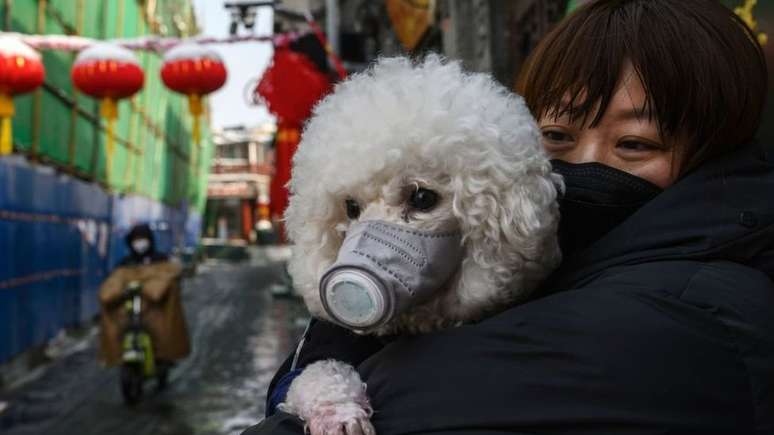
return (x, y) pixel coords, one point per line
(556, 136)
(353, 209)
(423, 199)
(637, 146)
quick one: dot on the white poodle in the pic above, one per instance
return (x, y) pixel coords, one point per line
(429, 188)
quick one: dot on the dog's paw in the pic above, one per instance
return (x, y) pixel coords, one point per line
(331, 399)
(340, 419)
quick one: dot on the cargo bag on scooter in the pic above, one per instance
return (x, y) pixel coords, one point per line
(162, 312)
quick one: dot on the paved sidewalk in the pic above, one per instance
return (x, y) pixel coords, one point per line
(240, 334)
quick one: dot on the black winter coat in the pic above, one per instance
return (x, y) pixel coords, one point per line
(663, 326)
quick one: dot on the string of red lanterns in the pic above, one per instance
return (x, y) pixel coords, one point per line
(110, 73)
(291, 86)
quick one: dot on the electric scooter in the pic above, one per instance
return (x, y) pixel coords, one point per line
(138, 363)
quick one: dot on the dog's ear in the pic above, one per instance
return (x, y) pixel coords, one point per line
(509, 216)
(310, 220)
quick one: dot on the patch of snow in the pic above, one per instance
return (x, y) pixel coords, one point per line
(189, 50)
(13, 46)
(106, 51)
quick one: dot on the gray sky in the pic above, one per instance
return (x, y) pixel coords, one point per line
(244, 61)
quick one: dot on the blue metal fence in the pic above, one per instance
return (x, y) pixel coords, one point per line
(59, 237)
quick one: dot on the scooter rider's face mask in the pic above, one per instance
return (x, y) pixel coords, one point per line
(382, 269)
(141, 246)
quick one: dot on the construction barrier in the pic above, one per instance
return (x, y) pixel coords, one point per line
(60, 237)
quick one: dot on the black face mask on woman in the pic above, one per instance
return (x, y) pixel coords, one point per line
(597, 198)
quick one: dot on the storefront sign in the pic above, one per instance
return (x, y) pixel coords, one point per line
(231, 190)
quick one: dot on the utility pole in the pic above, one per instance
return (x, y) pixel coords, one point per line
(332, 24)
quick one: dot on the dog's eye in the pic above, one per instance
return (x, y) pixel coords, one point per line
(423, 199)
(353, 209)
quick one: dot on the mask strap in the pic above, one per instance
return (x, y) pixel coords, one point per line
(301, 342)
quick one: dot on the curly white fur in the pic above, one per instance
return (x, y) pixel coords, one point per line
(431, 124)
(330, 397)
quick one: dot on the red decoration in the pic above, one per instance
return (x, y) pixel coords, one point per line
(21, 71)
(285, 144)
(110, 73)
(195, 71)
(108, 79)
(20, 74)
(291, 86)
(113, 77)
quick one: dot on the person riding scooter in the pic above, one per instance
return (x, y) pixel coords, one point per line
(158, 281)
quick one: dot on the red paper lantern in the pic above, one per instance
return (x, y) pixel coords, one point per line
(195, 71)
(21, 71)
(108, 72)
(292, 85)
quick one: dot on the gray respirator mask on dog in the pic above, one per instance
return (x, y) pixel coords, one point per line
(382, 269)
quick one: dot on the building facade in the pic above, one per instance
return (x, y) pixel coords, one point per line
(238, 190)
(486, 35)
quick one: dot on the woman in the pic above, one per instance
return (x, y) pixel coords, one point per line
(661, 317)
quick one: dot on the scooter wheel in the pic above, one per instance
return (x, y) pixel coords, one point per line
(162, 376)
(131, 383)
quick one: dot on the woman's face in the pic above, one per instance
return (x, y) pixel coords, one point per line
(625, 137)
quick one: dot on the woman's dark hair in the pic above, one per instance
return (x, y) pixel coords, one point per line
(702, 68)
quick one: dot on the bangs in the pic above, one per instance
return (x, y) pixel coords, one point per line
(703, 72)
(576, 71)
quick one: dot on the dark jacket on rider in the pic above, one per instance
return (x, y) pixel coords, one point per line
(665, 325)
